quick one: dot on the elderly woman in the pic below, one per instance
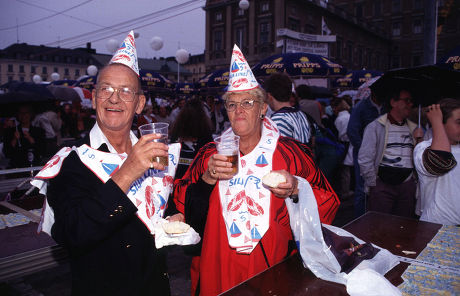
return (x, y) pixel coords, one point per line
(244, 224)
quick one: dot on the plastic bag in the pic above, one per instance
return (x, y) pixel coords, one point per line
(316, 254)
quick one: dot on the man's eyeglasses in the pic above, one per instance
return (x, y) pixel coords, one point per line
(407, 100)
(105, 92)
(245, 104)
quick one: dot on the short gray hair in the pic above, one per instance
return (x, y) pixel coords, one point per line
(256, 92)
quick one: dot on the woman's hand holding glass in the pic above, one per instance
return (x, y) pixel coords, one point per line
(218, 168)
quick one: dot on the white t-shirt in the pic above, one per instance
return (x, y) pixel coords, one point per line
(440, 195)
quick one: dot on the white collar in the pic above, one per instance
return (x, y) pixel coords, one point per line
(97, 138)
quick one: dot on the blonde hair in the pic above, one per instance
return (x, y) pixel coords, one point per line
(256, 92)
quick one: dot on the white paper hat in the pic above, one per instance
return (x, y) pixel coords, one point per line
(240, 77)
(127, 54)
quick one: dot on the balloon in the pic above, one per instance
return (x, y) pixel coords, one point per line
(112, 45)
(37, 78)
(55, 76)
(92, 70)
(136, 35)
(244, 4)
(182, 56)
(156, 43)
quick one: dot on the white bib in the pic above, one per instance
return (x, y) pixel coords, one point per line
(245, 201)
(149, 193)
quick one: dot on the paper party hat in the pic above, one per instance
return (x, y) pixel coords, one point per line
(240, 77)
(127, 54)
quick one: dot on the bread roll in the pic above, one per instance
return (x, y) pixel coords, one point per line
(273, 179)
(175, 227)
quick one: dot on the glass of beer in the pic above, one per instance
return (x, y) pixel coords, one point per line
(229, 145)
(160, 128)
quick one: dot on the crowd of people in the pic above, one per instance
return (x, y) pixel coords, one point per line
(370, 152)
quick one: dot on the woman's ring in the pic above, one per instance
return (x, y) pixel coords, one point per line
(213, 171)
(151, 165)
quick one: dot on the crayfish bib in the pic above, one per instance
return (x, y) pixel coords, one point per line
(245, 201)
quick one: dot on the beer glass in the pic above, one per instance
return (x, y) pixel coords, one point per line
(160, 128)
(229, 145)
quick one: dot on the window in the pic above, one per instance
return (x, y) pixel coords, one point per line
(44, 70)
(239, 36)
(66, 71)
(21, 78)
(264, 32)
(218, 40)
(56, 59)
(350, 52)
(10, 68)
(359, 10)
(338, 51)
(396, 29)
(240, 12)
(418, 4)
(264, 7)
(377, 8)
(33, 69)
(79, 60)
(294, 24)
(416, 61)
(77, 72)
(417, 26)
(21, 68)
(218, 16)
(395, 61)
(396, 6)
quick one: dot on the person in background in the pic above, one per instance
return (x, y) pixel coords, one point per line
(436, 161)
(366, 111)
(210, 193)
(308, 104)
(290, 121)
(24, 144)
(50, 122)
(177, 108)
(385, 158)
(341, 109)
(192, 129)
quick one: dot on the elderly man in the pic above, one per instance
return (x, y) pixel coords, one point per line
(111, 250)
(290, 120)
(385, 158)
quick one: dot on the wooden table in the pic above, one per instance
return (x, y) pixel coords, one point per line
(393, 233)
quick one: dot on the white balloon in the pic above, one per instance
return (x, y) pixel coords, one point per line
(92, 70)
(136, 34)
(156, 43)
(37, 78)
(182, 56)
(244, 4)
(112, 45)
(55, 76)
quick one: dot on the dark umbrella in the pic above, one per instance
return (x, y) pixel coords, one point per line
(65, 82)
(218, 78)
(38, 90)
(155, 82)
(64, 93)
(87, 82)
(428, 84)
(298, 64)
(451, 61)
(186, 89)
(355, 78)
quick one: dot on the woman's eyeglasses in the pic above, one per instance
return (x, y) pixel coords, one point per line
(105, 92)
(245, 104)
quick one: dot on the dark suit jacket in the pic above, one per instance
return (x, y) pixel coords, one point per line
(112, 252)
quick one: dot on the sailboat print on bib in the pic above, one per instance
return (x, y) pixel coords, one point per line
(234, 230)
(255, 235)
(261, 161)
(110, 168)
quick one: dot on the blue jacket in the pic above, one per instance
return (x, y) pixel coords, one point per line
(362, 114)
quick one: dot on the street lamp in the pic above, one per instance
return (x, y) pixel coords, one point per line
(181, 57)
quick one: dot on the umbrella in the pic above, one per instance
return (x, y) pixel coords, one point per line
(216, 79)
(355, 78)
(39, 91)
(64, 93)
(364, 90)
(153, 81)
(65, 82)
(428, 84)
(87, 82)
(298, 64)
(85, 96)
(185, 88)
(451, 61)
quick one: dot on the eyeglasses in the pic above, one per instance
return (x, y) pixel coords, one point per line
(245, 104)
(125, 94)
(407, 100)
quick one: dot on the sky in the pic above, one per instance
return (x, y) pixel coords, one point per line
(73, 23)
